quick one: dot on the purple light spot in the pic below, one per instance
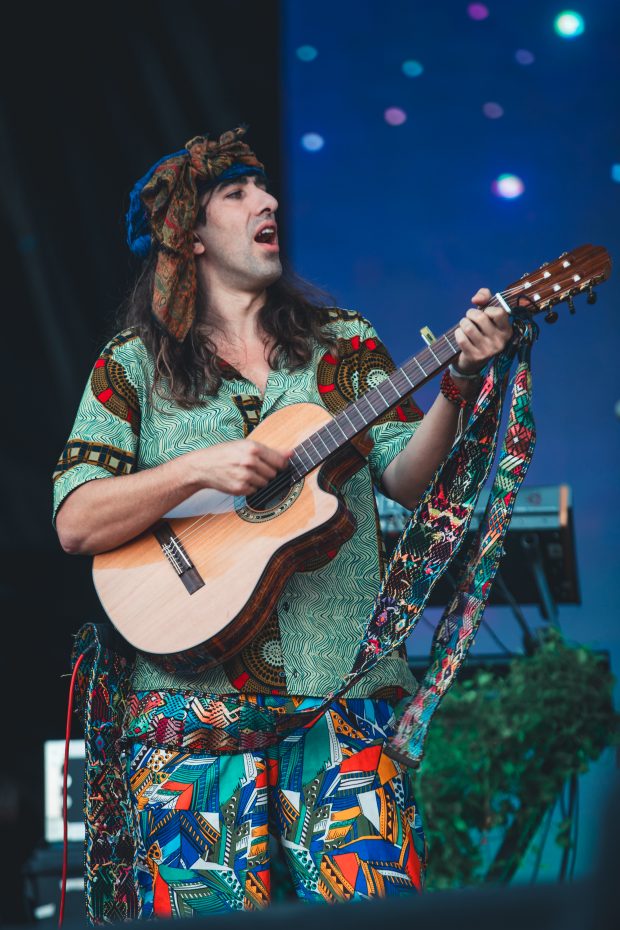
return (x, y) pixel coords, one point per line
(493, 110)
(524, 57)
(508, 186)
(394, 116)
(477, 11)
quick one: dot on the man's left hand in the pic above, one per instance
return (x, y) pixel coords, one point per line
(481, 334)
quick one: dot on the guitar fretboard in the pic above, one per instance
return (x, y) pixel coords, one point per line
(363, 412)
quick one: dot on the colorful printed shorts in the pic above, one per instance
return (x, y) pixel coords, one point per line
(340, 808)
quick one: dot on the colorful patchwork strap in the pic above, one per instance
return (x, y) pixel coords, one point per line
(103, 683)
(459, 623)
(432, 537)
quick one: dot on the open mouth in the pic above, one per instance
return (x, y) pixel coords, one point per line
(267, 235)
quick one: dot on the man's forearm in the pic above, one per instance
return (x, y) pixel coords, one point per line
(406, 478)
(480, 335)
(105, 513)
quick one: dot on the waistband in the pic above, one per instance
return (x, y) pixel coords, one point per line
(218, 724)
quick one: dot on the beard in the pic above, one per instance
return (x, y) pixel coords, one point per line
(250, 271)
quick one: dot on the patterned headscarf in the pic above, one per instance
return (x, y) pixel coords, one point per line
(163, 207)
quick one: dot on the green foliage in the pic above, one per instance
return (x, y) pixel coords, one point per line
(500, 749)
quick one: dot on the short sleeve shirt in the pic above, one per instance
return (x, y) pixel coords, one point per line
(310, 641)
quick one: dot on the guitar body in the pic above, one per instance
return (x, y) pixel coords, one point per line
(241, 557)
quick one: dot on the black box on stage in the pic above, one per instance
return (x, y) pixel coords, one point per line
(42, 883)
(42, 873)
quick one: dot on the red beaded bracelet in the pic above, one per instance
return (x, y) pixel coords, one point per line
(450, 391)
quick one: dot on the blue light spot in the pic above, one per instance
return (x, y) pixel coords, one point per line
(412, 68)
(569, 24)
(306, 53)
(312, 141)
(615, 173)
(508, 186)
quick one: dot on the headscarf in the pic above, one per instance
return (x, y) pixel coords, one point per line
(163, 207)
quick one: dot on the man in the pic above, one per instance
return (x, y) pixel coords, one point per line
(218, 340)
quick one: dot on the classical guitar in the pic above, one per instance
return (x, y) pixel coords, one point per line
(178, 586)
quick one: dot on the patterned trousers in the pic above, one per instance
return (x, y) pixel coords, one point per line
(342, 810)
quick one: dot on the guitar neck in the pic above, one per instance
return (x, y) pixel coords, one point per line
(363, 412)
(553, 283)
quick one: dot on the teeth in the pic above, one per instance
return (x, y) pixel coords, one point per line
(268, 231)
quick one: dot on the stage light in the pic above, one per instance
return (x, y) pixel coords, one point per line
(412, 68)
(508, 186)
(615, 173)
(312, 141)
(477, 11)
(306, 53)
(569, 24)
(394, 116)
(493, 110)
(524, 57)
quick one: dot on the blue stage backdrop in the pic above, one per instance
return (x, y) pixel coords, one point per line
(404, 124)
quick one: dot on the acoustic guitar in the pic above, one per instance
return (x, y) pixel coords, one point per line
(177, 586)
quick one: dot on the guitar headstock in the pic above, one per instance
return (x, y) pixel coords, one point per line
(559, 281)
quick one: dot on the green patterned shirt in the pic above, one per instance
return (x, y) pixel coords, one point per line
(312, 638)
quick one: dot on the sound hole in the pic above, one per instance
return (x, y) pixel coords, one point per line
(272, 500)
(273, 494)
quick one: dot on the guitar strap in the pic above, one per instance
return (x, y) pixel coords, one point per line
(433, 536)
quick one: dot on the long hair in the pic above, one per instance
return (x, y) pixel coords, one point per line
(186, 372)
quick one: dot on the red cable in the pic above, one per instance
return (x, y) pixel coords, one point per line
(65, 825)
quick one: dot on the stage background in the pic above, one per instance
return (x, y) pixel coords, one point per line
(389, 166)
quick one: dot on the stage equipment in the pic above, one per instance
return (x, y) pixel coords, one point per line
(54, 751)
(42, 872)
(539, 565)
(42, 876)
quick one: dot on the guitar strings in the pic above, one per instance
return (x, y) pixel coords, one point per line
(279, 482)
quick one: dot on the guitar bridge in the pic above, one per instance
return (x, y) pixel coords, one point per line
(173, 549)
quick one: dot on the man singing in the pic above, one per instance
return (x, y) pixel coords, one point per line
(215, 340)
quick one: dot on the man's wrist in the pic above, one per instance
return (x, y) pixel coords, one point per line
(458, 372)
(468, 383)
(189, 472)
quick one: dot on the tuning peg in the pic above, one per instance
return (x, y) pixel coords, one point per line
(591, 295)
(571, 305)
(551, 316)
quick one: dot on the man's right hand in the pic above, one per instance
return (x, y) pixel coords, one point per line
(102, 515)
(238, 467)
